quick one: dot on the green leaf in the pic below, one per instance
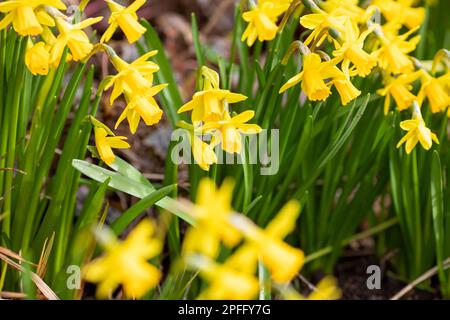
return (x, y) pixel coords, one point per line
(129, 186)
(119, 225)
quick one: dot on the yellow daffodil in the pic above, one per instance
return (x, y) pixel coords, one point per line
(417, 132)
(400, 89)
(105, 144)
(228, 130)
(313, 77)
(203, 152)
(224, 283)
(28, 16)
(208, 104)
(262, 21)
(125, 263)
(320, 23)
(134, 78)
(211, 213)
(72, 36)
(326, 289)
(37, 58)
(282, 260)
(393, 54)
(434, 90)
(126, 19)
(348, 8)
(142, 106)
(351, 50)
(401, 11)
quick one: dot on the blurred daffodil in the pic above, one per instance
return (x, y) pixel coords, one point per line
(211, 213)
(401, 11)
(125, 263)
(225, 283)
(126, 19)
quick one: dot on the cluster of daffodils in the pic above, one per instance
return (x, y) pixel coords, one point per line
(211, 117)
(378, 35)
(50, 31)
(217, 227)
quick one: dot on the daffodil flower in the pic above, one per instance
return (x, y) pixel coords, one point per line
(142, 106)
(37, 58)
(351, 49)
(326, 289)
(282, 260)
(399, 88)
(434, 90)
(125, 263)
(208, 104)
(228, 130)
(72, 36)
(134, 78)
(126, 19)
(393, 54)
(417, 132)
(262, 21)
(225, 283)
(313, 77)
(320, 23)
(211, 212)
(401, 11)
(28, 16)
(105, 144)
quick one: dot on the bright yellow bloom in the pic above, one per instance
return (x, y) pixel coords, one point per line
(135, 78)
(434, 90)
(126, 263)
(351, 50)
(313, 77)
(72, 36)
(37, 58)
(401, 11)
(126, 19)
(203, 153)
(320, 23)
(225, 283)
(228, 130)
(282, 260)
(400, 89)
(142, 106)
(208, 104)
(262, 21)
(105, 144)
(211, 213)
(28, 16)
(393, 54)
(348, 8)
(417, 132)
(326, 289)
